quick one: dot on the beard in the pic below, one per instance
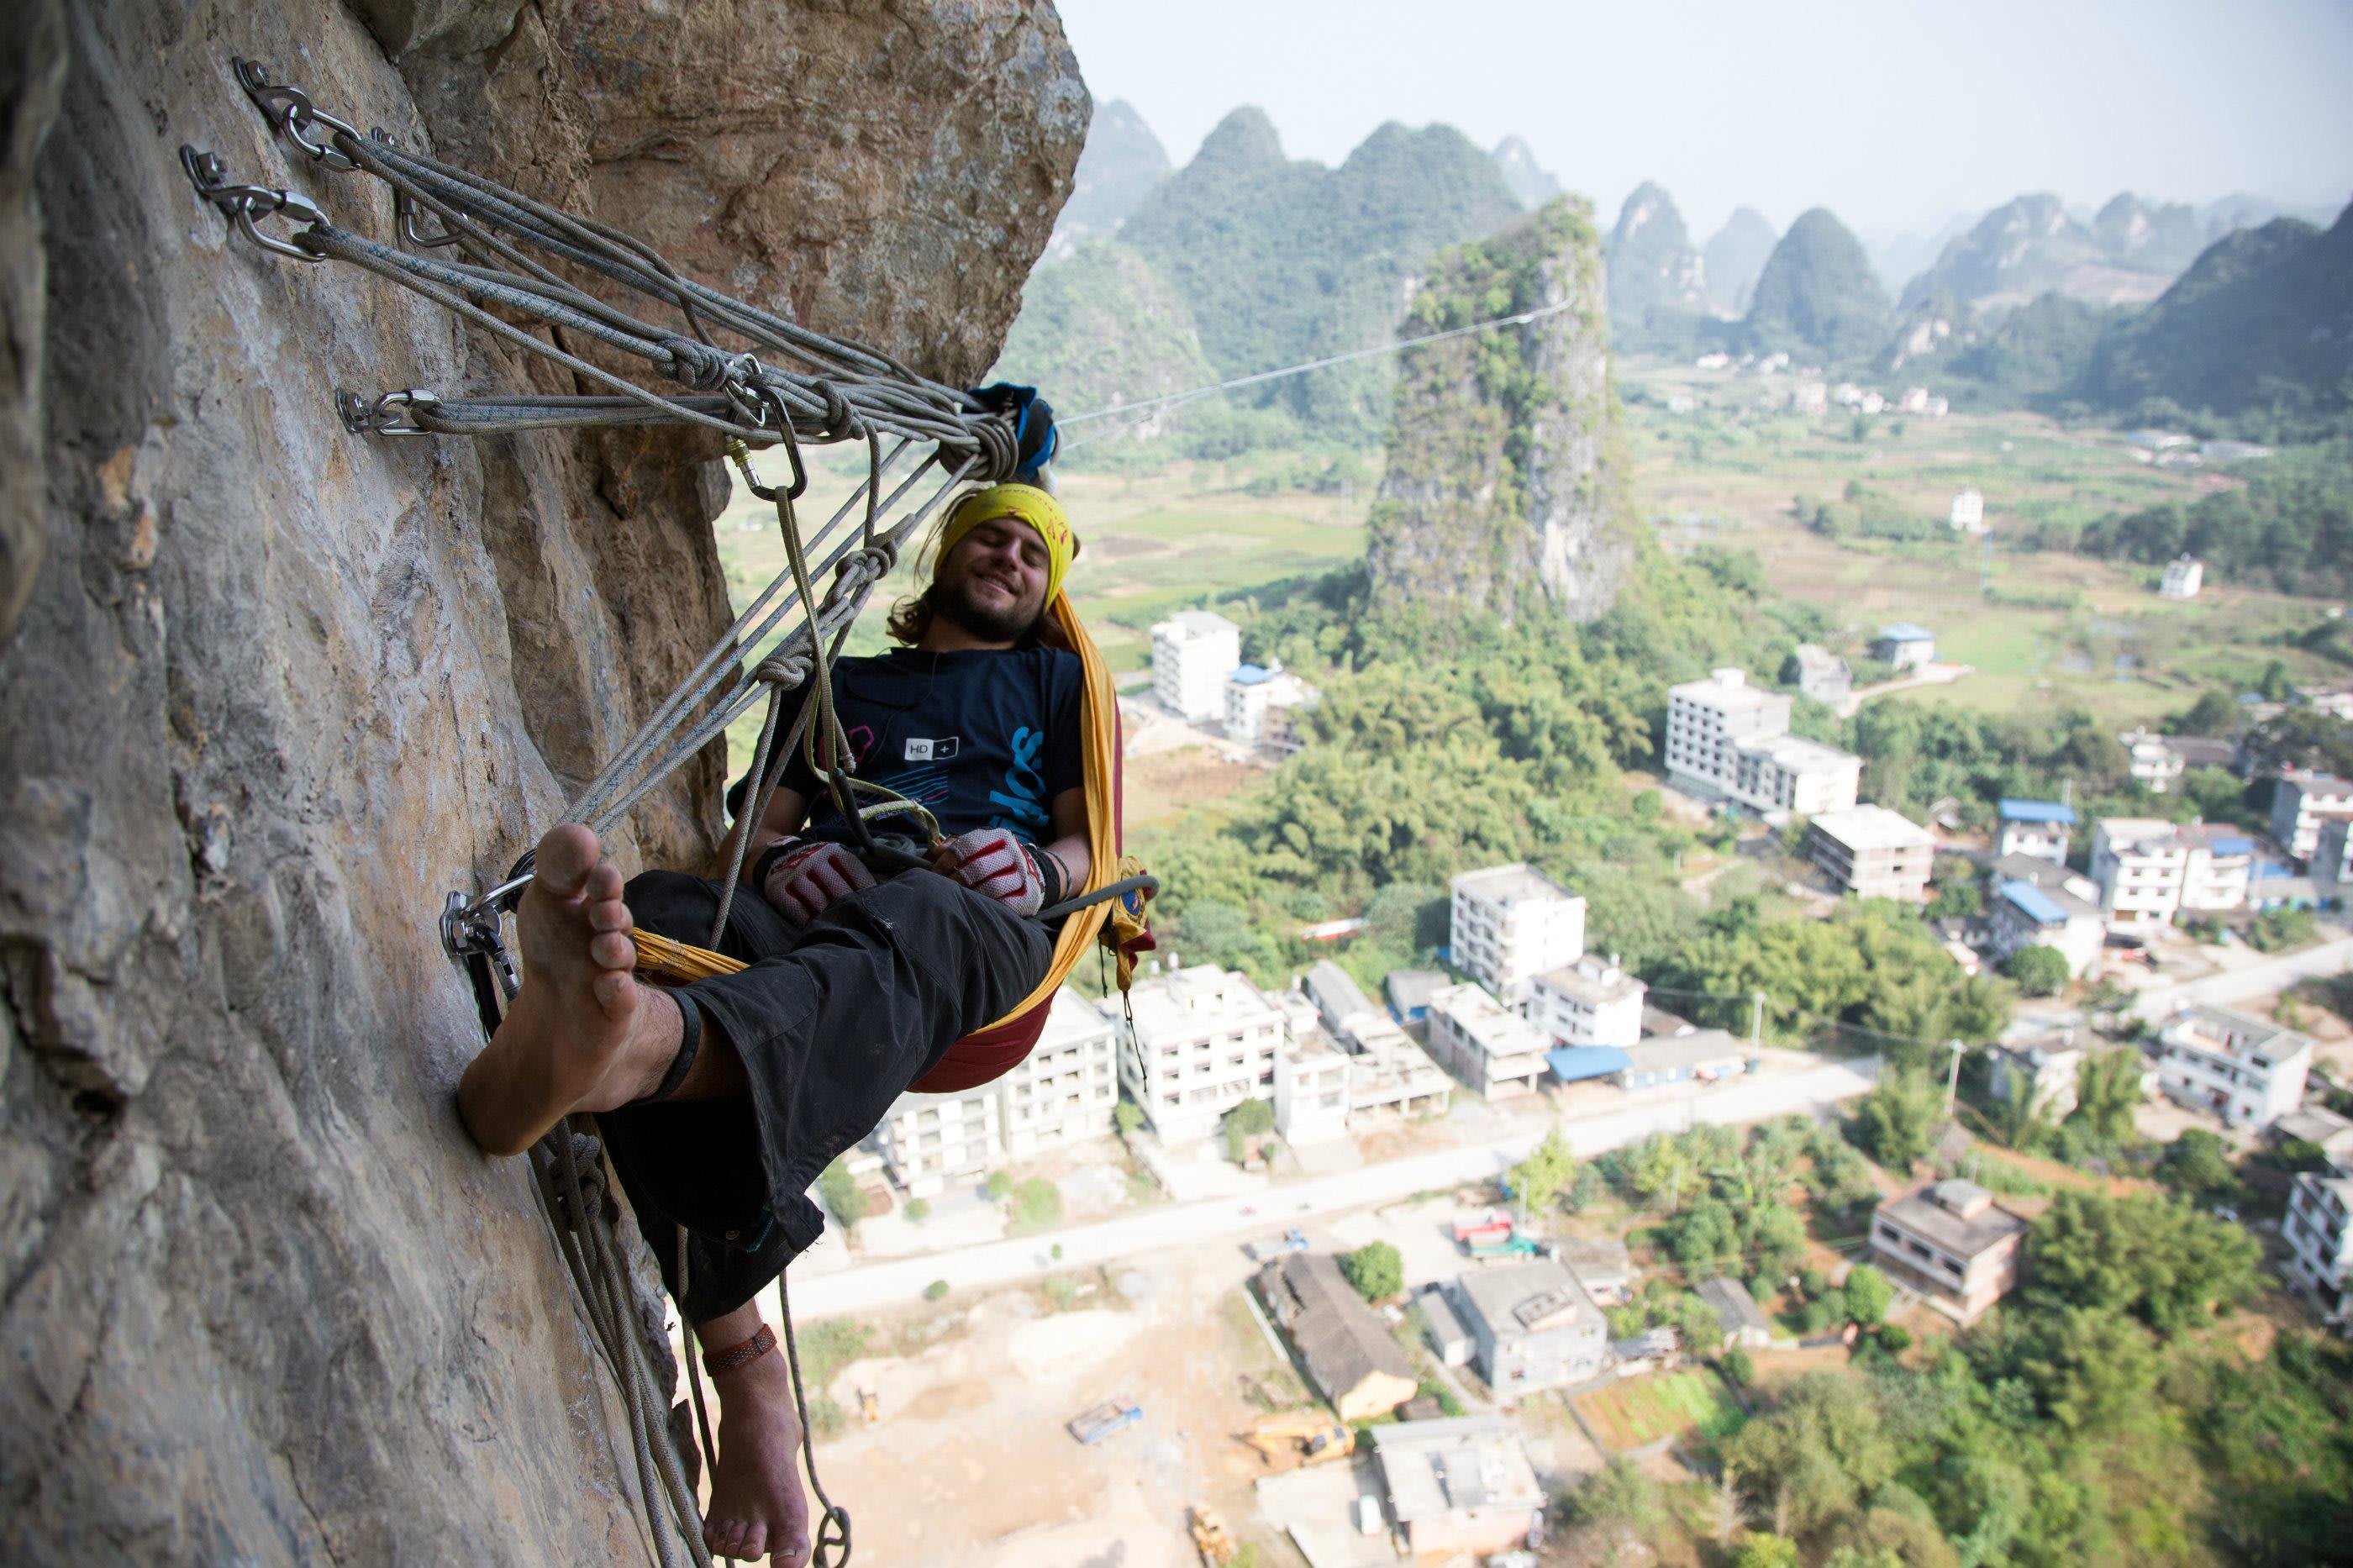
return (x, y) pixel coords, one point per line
(953, 598)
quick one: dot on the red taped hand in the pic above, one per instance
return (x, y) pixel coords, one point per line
(811, 880)
(995, 865)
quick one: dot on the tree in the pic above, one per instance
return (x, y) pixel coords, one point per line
(2157, 1258)
(2108, 1088)
(2197, 1166)
(1868, 1294)
(1739, 1366)
(1766, 1552)
(2040, 970)
(1895, 1120)
(998, 1186)
(1251, 1118)
(1539, 1178)
(841, 1192)
(1815, 1455)
(1376, 1269)
(1126, 1117)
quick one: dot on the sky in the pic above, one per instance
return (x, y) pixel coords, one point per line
(1895, 116)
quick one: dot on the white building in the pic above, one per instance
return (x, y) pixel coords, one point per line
(1809, 397)
(1310, 1084)
(1968, 506)
(2219, 868)
(1490, 1049)
(1509, 923)
(1872, 852)
(1592, 1002)
(2183, 577)
(1253, 694)
(2301, 803)
(1205, 1040)
(1062, 1092)
(2059, 918)
(1905, 644)
(1386, 1071)
(2247, 1070)
(1727, 737)
(1823, 675)
(2040, 828)
(2044, 1073)
(2138, 863)
(1193, 652)
(2151, 760)
(2319, 1235)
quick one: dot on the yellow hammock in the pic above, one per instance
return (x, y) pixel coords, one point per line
(660, 958)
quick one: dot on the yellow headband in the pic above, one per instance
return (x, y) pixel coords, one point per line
(1031, 505)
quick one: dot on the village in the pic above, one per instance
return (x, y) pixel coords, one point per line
(1277, 1246)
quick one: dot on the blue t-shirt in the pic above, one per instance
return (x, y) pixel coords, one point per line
(982, 738)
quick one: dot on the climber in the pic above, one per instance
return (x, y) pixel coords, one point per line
(722, 1101)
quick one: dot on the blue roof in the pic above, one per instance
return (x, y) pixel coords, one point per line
(2232, 846)
(1571, 1063)
(1905, 631)
(1252, 675)
(2038, 906)
(2036, 811)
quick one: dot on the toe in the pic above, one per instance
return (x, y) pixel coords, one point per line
(616, 990)
(611, 914)
(603, 883)
(566, 856)
(755, 1542)
(613, 950)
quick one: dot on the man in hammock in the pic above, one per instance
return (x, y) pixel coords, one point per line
(722, 1101)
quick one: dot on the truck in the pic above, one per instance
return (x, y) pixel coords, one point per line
(1507, 1245)
(1484, 1227)
(1110, 1416)
(1292, 1240)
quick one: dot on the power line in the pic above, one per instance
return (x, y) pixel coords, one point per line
(1171, 399)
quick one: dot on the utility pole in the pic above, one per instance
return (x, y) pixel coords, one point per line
(1953, 1083)
(1757, 1020)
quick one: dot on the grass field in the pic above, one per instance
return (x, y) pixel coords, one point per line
(1693, 1402)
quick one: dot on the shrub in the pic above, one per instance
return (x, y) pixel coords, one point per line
(839, 1189)
(936, 1290)
(1740, 1366)
(998, 1186)
(1894, 1337)
(919, 1209)
(2040, 970)
(1376, 1269)
(1037, 1204)
(1868, 1294)
(1126, 1117)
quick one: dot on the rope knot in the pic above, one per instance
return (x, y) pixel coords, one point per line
(841, 421)
(698, 365)
(1000, 453)
(786, 668)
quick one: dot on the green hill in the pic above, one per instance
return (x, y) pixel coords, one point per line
(1100, 327)
(1282, 261)
(1530, 181)
(2261, 323)
(1657, 287)
(1817, 295)
(1735, 256)
(1121, 164)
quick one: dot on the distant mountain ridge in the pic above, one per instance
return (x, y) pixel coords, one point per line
(1530, 181)
(1122, 163)
(1818, 295)
(1736, 256)
(1658, 285)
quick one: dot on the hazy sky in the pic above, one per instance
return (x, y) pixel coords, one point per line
(1894, 115)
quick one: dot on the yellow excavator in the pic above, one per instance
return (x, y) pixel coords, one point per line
(1209, 1537)
(1293, 1439)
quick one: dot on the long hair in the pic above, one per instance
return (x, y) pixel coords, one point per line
(911, 617)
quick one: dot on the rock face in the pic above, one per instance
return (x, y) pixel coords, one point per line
(274, 690)
(1654, 273)
(1505, 487)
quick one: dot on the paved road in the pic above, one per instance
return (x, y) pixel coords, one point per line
(891, 1280)
(2254, 980)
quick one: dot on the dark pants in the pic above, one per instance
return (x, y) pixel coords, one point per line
(832, 1023)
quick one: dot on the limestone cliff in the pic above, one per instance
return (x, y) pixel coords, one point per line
(1505, 486)
(270, 690)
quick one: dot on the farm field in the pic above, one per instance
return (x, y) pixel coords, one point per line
(1642, 1410)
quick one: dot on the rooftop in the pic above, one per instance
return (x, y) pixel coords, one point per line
(1728, 692)
(1593, 982)
(1508, 885)
(1498, 1029)
(2045, 906)
(1906, 631)
(1734, 1307)
(1533, 1297)
(2036, 811)
(1335, 991)
(1863, 827)
(1433, 1469)
(2314, 1124)
(1071, 1017)
(1796, 754)
(1658, 1023)
(1597, 1261)
(2029, 869)
(2146, 834)
(1339, 1338)
(1182, 1002)
(2227, 1032)
(1696, 1049)
(1933, 1221)
(1813, 656)
(1198, 623)
(1575, 1064)
(1411, 988)
(2306, 778)
(1251, 675)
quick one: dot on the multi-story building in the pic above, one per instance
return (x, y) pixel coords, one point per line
(1456, 1489)
(1491, 1049)
(1193, 652)
(2319, 1235)
(1905, 644)
(2041, 828)
(1953, 1242)
(1822, 674)
(1061, 1092)
(2152, 761)
(1533, 1327)
(1386, 1071)
(2042, 1074)
(2332, 858)
(2219, 868)
(2247, 1070)
(2184, 574)
(1872, 852)
(1254, 695)
(1729, 738)
(1593, 1002)
(2302, 802)
(1311, 1088)
(2138, 863)
(2025, 915)
(1509, 923)
(1204, 1041)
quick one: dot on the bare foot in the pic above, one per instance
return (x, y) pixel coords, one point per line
(577, 1035)
(757, 1506)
